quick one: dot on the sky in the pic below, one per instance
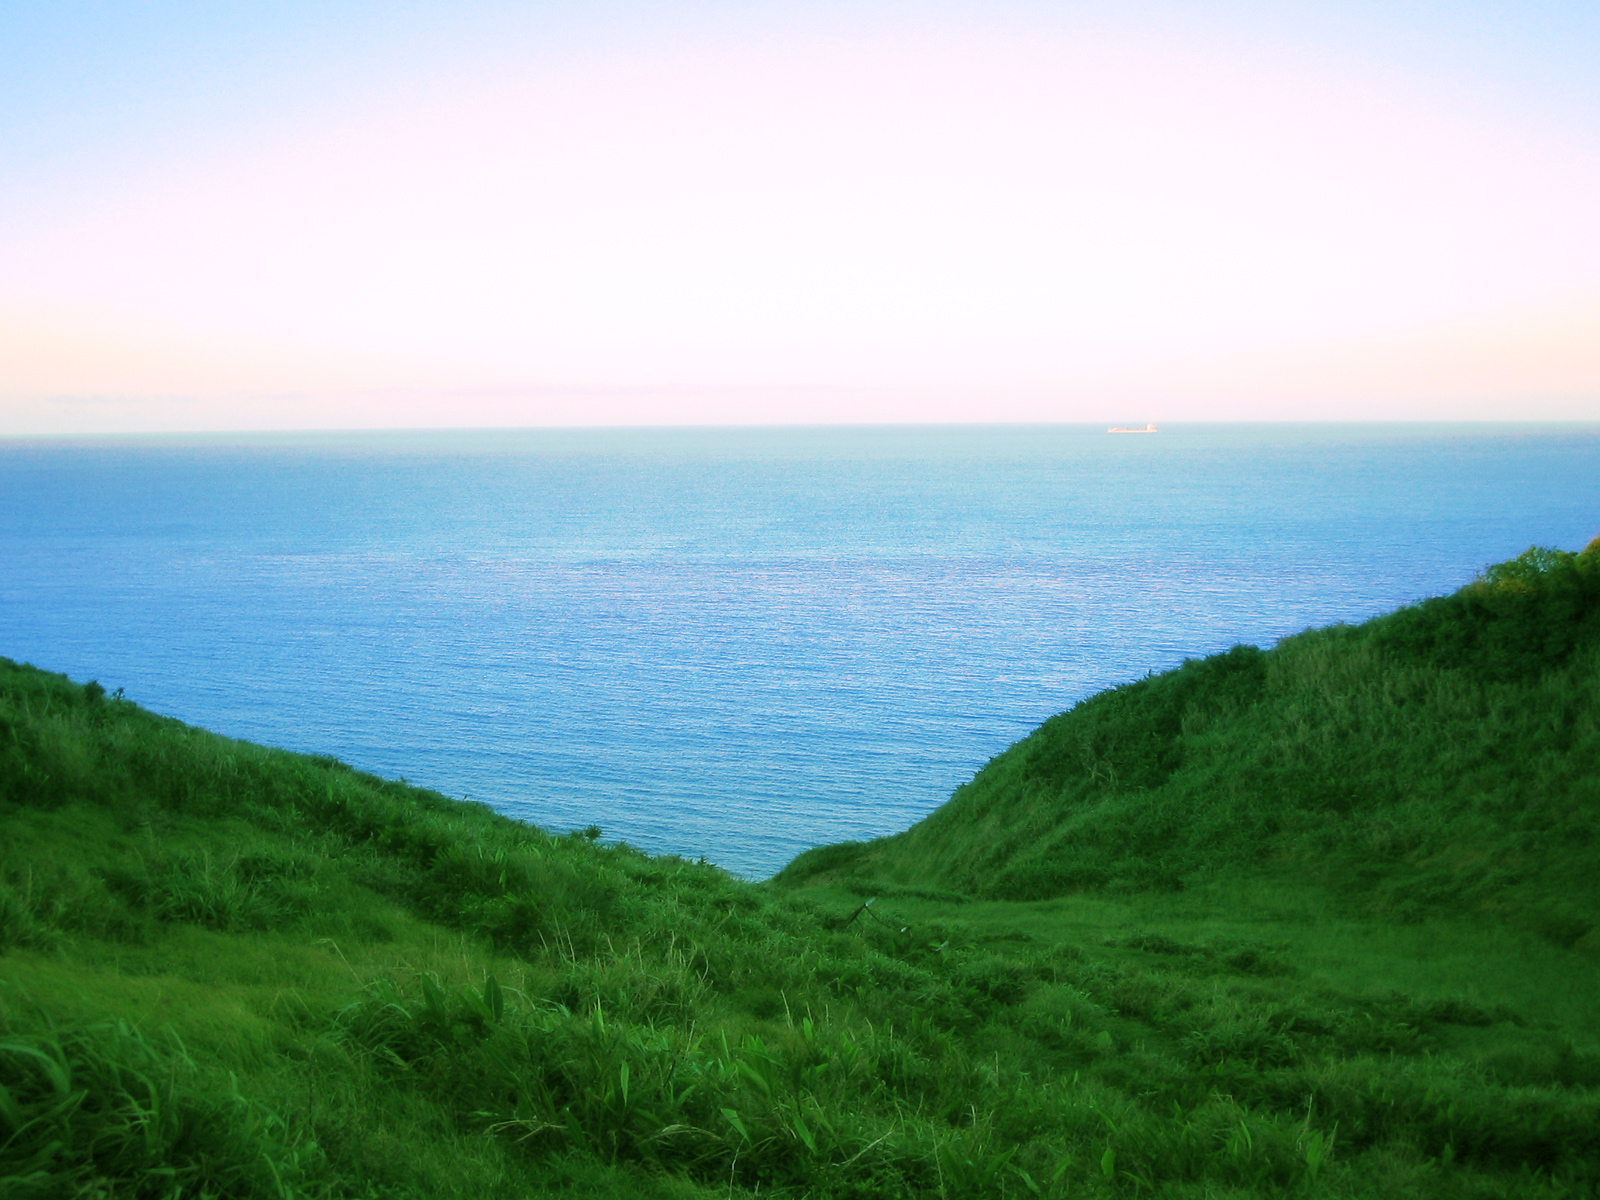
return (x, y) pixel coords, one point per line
(353, 215)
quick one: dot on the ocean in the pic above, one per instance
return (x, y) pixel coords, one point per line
(728, 643)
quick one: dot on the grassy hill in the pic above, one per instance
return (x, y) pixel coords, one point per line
(1445, 757)
(1314, 921)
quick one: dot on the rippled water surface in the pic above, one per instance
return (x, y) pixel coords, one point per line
(728, 643)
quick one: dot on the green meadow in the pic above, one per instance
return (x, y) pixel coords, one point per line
(1321, 920)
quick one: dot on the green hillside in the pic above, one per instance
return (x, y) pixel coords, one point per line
(1445, 757)
(1315, 921)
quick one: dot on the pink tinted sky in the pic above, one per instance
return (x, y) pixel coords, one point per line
(663, 220)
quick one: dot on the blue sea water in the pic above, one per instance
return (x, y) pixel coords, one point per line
(729, 643)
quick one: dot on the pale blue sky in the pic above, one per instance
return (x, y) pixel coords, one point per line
(108, 77)
(122, 127)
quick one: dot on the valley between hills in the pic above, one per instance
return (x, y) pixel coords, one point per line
(1321, 919)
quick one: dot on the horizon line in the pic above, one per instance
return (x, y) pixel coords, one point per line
(573, 427)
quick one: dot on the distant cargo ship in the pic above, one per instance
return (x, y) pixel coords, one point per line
(1125, 429)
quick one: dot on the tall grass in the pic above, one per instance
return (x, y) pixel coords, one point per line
(103, 1111)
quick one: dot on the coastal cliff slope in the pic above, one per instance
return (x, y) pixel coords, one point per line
(1446, 755)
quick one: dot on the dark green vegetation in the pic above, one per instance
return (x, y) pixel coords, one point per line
(1443, 758)
(1315, 921)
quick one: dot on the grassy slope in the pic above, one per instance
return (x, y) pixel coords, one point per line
(234, 971)
(1445, 757)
